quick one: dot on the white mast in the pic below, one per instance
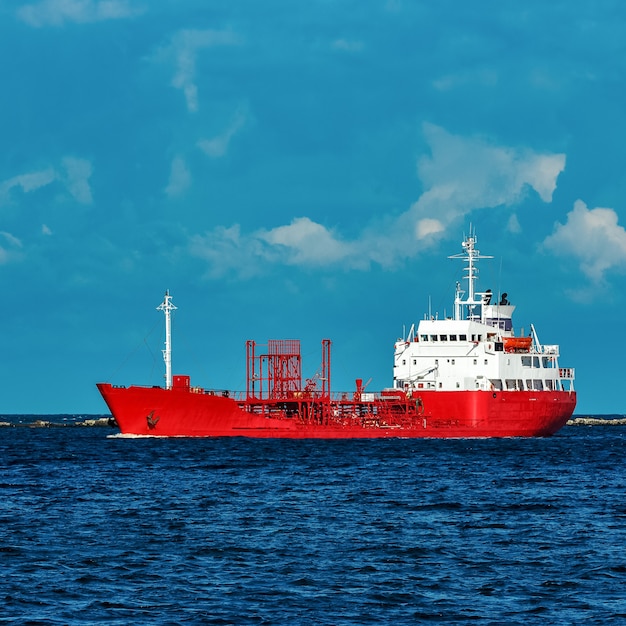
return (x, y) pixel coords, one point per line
(471, 256)
(167, 307)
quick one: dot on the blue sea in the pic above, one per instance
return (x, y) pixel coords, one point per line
(100, 529)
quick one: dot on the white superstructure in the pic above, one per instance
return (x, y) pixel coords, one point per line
(476, 349)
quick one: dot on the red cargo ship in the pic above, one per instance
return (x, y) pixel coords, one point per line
(464, 376)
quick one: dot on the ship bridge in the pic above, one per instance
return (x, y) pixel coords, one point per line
(499, 316)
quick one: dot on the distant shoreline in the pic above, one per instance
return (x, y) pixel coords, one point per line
(68, 422)
(597, 421)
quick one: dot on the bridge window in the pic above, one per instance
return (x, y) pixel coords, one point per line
(526, 361)
(452, 337)
(443, 337)
(433, 337)
(463, 337)
(423, 337)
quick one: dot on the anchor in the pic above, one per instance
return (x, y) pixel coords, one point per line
(152, 421)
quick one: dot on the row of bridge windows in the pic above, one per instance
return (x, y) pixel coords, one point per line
(435, 338)
(510, 384)
(527, 361)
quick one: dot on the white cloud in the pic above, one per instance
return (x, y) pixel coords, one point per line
(513, 225)
(28, 182)
(464, 174)
(460, 176)
(225, 249)
(485, 76)
(180, 178)
(9, 247)
(45, 230)
(302, 242)
(57, 12)
(10, 240)
(218, 146)
(427, 227)
(393, 6)
(74, 173)
(185, 47)
(76, 179)
(306, 243)
(539, 171)
(593, 237)
(347, 45)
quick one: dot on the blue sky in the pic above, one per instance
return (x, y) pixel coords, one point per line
(302, 170)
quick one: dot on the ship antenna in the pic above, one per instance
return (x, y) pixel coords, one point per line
(167, 307)
(470, 256)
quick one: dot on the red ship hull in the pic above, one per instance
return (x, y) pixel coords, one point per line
(191, 412)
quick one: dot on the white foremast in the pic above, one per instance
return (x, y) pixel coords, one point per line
(167, 307)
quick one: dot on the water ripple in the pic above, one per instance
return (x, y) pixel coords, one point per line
(157, 531)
